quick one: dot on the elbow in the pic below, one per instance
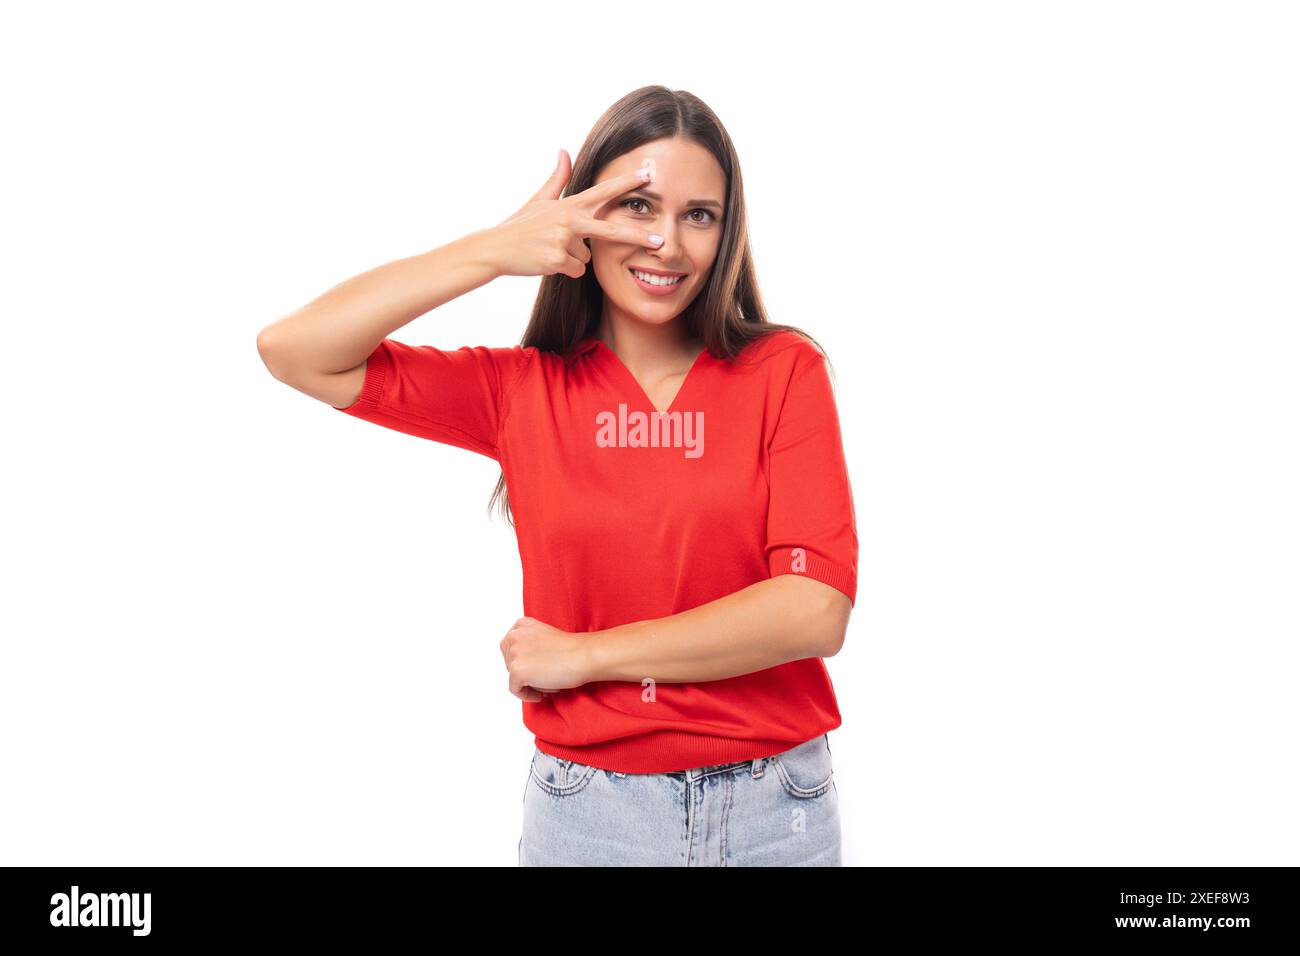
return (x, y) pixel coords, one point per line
(835, 622)
(271, 350)
(822, 618)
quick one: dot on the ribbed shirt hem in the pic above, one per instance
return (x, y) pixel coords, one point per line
(665, 751)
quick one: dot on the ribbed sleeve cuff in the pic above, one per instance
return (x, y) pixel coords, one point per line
(378, 363)
(808, 564)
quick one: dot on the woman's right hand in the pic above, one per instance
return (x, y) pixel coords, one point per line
(547, 235)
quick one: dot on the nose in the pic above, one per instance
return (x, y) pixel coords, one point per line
(667, 228)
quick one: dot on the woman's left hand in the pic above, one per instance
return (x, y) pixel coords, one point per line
(542, 659)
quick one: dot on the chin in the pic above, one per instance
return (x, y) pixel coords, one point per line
(654, 316)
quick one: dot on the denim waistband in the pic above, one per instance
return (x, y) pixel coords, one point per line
(755, 768)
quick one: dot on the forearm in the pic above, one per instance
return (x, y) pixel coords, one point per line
(781, 619)
(340, 328)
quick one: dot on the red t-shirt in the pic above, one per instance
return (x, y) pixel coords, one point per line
(622, 515)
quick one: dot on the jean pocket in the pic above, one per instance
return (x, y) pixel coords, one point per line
(558, 776)
(805, 771)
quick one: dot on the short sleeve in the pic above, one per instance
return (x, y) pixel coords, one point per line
(811, 526)
(459, 397)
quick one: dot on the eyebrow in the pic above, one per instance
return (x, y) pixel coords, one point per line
(692, 202)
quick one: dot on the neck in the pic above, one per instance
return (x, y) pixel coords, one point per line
(645, 345)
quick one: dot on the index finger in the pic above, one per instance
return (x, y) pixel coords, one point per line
(596, 196)
(593, 228)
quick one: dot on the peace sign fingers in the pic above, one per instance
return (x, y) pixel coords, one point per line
(591, 200)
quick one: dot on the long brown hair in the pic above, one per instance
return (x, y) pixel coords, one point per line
(728, 312)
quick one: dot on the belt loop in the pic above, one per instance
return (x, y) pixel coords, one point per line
(756, 767)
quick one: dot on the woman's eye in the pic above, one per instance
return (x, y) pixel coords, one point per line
(712, 218)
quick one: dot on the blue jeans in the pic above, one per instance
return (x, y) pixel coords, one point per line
(781, 810)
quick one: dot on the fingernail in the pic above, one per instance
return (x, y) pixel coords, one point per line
(656, 240)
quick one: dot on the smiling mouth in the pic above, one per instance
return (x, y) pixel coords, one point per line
(653, 279)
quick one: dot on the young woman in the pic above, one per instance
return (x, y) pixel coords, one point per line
(676, 479)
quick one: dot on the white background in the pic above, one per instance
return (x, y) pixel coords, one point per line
(1051, 249)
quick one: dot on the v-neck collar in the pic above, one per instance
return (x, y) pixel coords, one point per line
(591, 342)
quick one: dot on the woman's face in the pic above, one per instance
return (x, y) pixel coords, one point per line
(684, 203)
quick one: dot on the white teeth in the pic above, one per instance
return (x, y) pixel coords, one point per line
(656, 280)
